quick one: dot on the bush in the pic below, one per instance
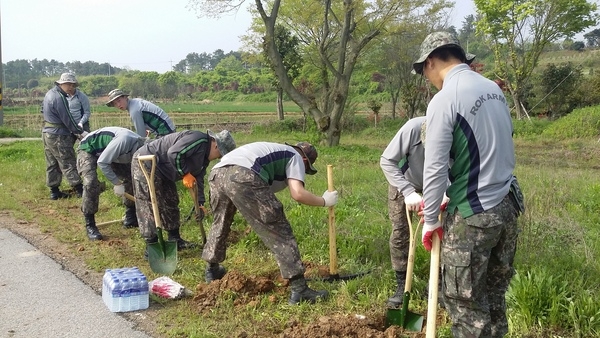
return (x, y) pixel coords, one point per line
(6, 132)
(524, 128)
(584, 122)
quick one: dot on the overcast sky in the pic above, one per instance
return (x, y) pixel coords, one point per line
(148, 35)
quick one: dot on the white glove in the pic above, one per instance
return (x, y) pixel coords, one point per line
(84, 134)
(80, 125)
(413, 201)
(427, 234)
(119, 190)
(330, 198)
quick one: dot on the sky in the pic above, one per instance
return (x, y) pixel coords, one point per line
(147, 35)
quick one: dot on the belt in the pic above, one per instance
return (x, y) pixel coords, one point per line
(54, 125)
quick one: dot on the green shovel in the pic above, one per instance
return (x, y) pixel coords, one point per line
(162, 255)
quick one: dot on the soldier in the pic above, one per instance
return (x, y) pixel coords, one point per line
(59, 134)
(147, 118)
(79, 105)
(468, 121)
(246, 180)
(183, 156)
(111, 149)
(402, 165)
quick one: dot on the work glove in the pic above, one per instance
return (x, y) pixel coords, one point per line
(330, 198)
(189, 180)
(82, 135)
(80, 125)
(413, 201)
(119, 190)
(445, 201)
(428, 231)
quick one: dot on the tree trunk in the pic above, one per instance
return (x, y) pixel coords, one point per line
(280, 103)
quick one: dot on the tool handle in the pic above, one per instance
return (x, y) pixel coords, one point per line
(109, 222)
(332, 241)
(194, 193)
(411, 251)
(434, 270)
(150, 178)
(129, 197)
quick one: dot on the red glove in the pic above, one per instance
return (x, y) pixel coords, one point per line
(189, 180)
(428, 231)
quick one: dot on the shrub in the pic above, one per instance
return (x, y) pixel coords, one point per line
(584, 122)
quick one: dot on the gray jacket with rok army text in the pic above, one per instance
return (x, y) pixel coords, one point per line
(57, 116)
(180, 153)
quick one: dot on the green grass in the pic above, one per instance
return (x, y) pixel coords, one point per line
(553, 294)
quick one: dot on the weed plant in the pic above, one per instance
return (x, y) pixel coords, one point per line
(553, 294)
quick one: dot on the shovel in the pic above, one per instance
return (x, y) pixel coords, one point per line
(162, 255)
(402, 317)
(333, 273)
(199, 213)
(432, 302)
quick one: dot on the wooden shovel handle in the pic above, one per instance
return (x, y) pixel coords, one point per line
(332, 241)
(411, 251)
(434, 270)
(194, 193)
(150, 179)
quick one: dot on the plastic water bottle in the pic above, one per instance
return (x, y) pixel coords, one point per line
(125, 290)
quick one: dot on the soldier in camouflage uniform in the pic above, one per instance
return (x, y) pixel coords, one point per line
(246, 180)
(469, 122)
(59, 134)
(183, 156)
(147, 118)
(111, 149)
(402, 166)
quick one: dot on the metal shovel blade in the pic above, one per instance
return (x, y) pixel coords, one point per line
(402, 317)
(162, 255)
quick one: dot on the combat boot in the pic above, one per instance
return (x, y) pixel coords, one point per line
(181, 243)
(56, 194)
(79, 190)
(398, 298)
(302, 293)
(214, 271)
(130, 219)
(90, 225)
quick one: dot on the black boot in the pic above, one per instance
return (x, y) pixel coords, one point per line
(181, 243)
(56, 194)
(301, 291)
(130, 219)
(79, 190)
(151, 240)
(214, 271)
(92, 231)
(398, 298)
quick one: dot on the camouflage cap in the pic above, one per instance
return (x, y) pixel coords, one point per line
(225, 142)
(308, 151)
(437, 40)
(113, 95)
(67, 78)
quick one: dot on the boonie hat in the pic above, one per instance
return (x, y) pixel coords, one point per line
(113, 95)
(66, 78)
(225, 142)
(437, 40)
(310, 152)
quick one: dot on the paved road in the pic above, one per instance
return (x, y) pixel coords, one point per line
(40, 299)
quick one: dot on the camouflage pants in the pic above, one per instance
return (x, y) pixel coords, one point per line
(236, 188)
(166, 198)
(477, 258)
(400, 236)
(87, 165)
(60, 159)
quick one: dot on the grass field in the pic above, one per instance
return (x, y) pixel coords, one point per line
(554, 294)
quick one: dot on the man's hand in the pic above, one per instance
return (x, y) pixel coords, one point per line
(428, 231)
(189, 180)
(413, 201)
(119, 190)
(330, 198)
(445, 201)
(200, 213)
(80, 125)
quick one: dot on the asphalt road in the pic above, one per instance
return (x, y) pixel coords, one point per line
(40, 299)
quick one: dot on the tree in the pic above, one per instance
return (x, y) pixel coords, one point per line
(334, 34)
(593, 38)
(558, 88)
(519, 30)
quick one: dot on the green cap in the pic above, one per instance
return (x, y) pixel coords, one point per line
(437, 40)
